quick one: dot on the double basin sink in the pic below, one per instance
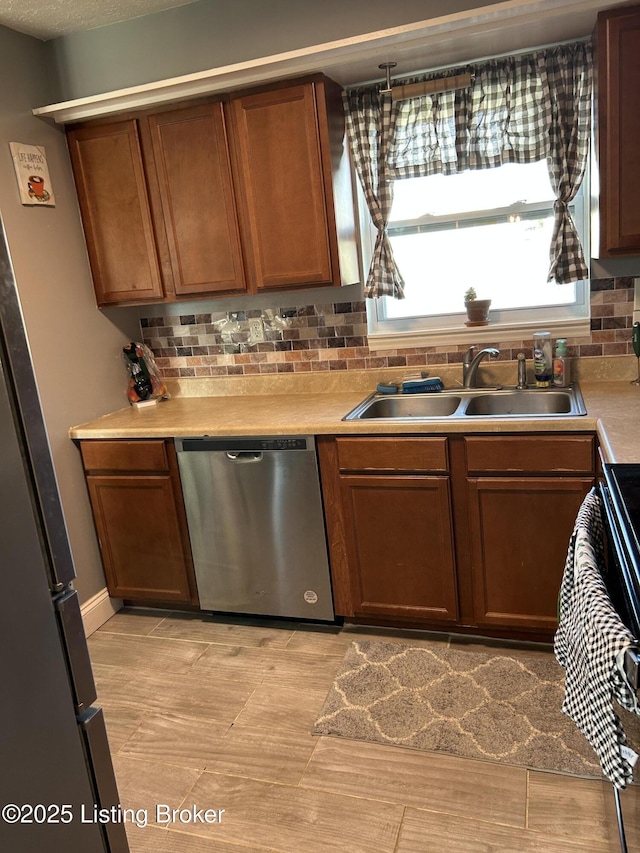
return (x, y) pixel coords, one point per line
(472, 403)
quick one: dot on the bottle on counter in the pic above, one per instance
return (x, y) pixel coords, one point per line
(561, 365)
(542, 359)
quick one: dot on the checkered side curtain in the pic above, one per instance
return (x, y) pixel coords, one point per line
(371, 119)
(518, 109)
(567, 78)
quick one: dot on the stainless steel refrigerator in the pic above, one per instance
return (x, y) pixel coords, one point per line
(57, 788)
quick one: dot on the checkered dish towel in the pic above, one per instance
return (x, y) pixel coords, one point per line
(590, 644)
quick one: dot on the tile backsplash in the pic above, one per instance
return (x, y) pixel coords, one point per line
(313, 338)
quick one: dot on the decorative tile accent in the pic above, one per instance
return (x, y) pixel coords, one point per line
(311, 338)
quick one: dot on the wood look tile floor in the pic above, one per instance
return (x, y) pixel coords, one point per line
(216, 713)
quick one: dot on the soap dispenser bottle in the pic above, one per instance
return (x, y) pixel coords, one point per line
(542, 359)
(561, 364)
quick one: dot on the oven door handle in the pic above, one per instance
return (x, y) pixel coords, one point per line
(632, 658)
(632, 667)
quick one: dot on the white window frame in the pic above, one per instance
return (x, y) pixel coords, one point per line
(506, 325)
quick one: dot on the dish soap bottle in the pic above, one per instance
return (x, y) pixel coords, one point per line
(561, 364)
(542, 359)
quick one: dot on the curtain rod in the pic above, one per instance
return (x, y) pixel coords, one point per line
(404, 92)
(522, 51)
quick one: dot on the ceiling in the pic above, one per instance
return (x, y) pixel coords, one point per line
(47, 19)
(490, 30)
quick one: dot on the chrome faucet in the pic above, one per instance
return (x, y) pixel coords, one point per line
(471, 363)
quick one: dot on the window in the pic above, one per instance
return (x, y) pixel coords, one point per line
(490, 229)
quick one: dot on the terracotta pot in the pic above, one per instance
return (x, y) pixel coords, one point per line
(477, 312)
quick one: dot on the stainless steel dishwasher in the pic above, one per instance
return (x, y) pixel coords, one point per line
(256, 524)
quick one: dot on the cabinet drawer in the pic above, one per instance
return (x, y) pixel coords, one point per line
(392, 454)
(531, 454)
(121, 455)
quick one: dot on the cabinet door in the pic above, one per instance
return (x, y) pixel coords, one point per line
(144, 550)
(400, 546)
(112, 192)
(618, 68)
(283, 189)
(191, 155)
(520, 532)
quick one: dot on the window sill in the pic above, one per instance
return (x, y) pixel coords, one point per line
(466, 335)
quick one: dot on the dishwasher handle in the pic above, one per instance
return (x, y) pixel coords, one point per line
(244, 455)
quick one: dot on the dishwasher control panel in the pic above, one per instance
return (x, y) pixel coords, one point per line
(265, 444)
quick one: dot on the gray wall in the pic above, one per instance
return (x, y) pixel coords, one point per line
(213, 33)
(75, 347)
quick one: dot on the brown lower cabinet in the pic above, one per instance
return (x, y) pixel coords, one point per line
(389, 522)
(519, 531)
(467, 532)
(451, 532)
(136, 498)
(410, 574)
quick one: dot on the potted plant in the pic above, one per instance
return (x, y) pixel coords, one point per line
(477, 309)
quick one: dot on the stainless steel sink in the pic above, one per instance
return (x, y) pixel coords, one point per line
(440, 405)
(529, 402)
(472, 403)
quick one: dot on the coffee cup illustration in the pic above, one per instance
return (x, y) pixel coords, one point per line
(36, 185)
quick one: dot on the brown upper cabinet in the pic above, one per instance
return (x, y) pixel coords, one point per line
(192, 159)
(114, 202)
(287, 192)
(618, 129)
(235, 195)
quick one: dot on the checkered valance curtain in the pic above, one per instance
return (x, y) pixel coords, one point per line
(518, 109)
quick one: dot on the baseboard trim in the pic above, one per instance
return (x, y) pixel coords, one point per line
(97, 610)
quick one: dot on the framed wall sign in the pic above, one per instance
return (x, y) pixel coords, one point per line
(30, 163)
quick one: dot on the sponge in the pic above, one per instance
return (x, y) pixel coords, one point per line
(388, 387)
(422, 386)
(412, 383)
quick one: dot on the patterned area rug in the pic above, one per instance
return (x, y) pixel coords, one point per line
(492, 706)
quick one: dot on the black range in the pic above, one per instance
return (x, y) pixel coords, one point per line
(620, 494)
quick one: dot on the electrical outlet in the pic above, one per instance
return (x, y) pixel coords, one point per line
(256, 330)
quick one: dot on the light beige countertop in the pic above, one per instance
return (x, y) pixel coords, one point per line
(616, 408)
(613, 410)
